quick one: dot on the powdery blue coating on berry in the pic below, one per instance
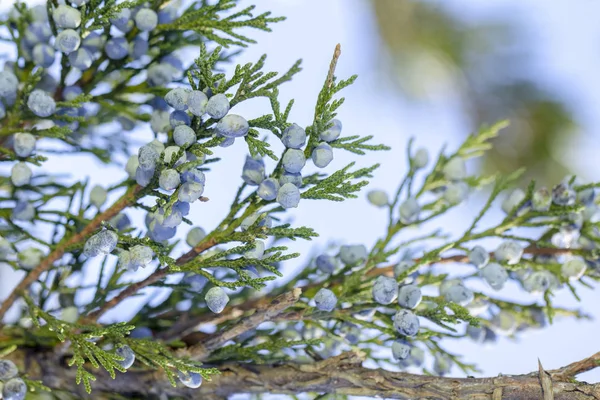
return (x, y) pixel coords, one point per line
(125, 259)
(267, 190)
(147, 157)
(171, 152)
(288, 196)
(459, 294)
(409, 296)
(71, 92)
(66, 17)
(43, 55)
(120, 222)
(159, 233)
(384, 290)
(193, 175)
(194, 281)
(116, 48)
(333, 132)
(456, 192)
(509, 252)
(8, 84)
(495, 275)
(253, 172)
(179, 118)
(421, 158)
(257, 252)
(20, 174)
(193, 380)
(81, 59)
(563, 195)
(41, 103)
(121, 20)
(94, 42)
(232, 126)
(504, 323)
(167, 14)
(37, 32)
(288, 177)
(400, 350)
(541, 200)
(190, 192)
(539, 281)
(143, 176)
(184, 136)
(322, 155)
(325, 300)
(23, 211)
(353, 254)
(131, 166)
(513, 200)
(265, 221)
(183, 207)
(98, 196)
(293, 160)
(159, 121)
(169, 179)
(406, 323)
(573, 269)
(127, 354)
(2, 111)
(140, 256)
(378, 198)
(48, 83)
(141, 332)
(101, 243)
(195, 236)
(67, 41)
(197, 102)
(218, 106)
(8, 370)
(23, 144)
(216, 299)
(442, 365)
(479, 256)
(326, 263)
(138, 47)
(30, 258)
(227, 142)
(146, 19)
(409, 211)
(293, 137)
(178, 98)
(160, 74)
(455, 169)
(14, 389)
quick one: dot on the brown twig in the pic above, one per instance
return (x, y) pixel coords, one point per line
(336, 56)
(569, 371)
(128, 197)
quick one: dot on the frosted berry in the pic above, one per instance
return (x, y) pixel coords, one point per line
(409, 211)
(177, 118)
(456, 292)
(322, 155)
(442, 365)
(178, 98)
(353, 254)
(288, 196)
(504, 323)
(226, 142)
(120, 222)
(253, 172)
(267, 190)
(116, 48)
(160, 74)
(539, 281)
(30, 257)
(409, 296)
(66, 17)
(67, 41)
(456, 192)
(8, 370)
(146, 19)
(385, 290)
(288, 177)
(190, 192)
(127, 354)
(512, 200)
(195, 236)
(378, 198)
(143, 176)
(326, 263)
(81, 59)
(71, 92)
(69, 314)
(325, 300)
(23, 211)
(98, 196)
(148, 155)
(41, 103)
(573, 269)
(122, 21)
(93, 42)
(8, 84)
(400, 350)
(101, 243)
(249, 221)
(563, 195)
(257, 252)
(293, 137)
(138, 47)
(333, 132)
(190, 379)
(131, 166)
(14, 389)
(217, 106)
(293, 160)
(479, 256)
(159, 121)
(197, 102)
(421, 158)
(43, 55)
(216, 299)
(20, 174)
(455, 169)
(37, 32)
(169, 179)
(232, 126)
(406, 323)
(495, 275)
(402, 267)
(193, 175)
(509, 252)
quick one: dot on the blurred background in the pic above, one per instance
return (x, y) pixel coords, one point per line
(435, 71)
